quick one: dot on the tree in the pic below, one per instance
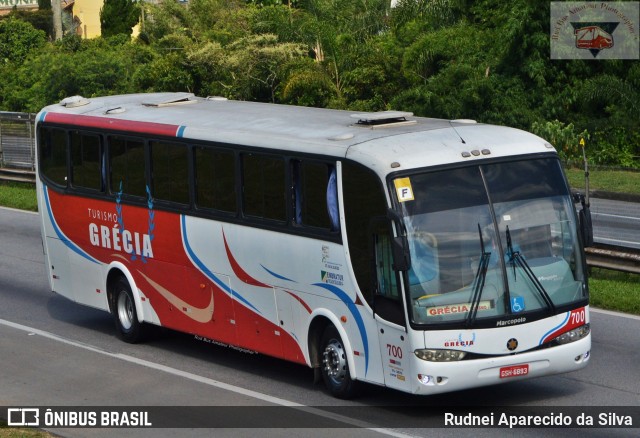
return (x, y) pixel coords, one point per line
(41, 19)
(17, 39)
(257, 65)
(118, 17)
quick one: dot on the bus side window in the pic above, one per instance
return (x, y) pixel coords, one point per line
(215, 179)
(332, 200)
(86, 161)
(263, 187)
(170, 171)
(315, 197)
(127, 165)
(52, 147)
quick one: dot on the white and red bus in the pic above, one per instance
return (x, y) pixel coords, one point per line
(421, 254)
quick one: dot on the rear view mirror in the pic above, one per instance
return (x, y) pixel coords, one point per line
(584, 216)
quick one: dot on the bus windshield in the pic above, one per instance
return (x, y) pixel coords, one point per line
(490, 241)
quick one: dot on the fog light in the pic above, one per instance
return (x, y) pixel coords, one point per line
(425, 380)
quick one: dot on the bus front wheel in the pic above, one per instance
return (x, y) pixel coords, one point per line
(335, 368)
(128, 328)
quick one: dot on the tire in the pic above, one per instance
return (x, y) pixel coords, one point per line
(125, 316)
(335, 367)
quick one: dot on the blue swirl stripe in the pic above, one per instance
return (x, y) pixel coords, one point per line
(64, 239)
(342, 295)
(206, 271)
(566, 318)
(281, 277)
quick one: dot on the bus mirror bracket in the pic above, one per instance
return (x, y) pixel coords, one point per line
(400, 244)
(586, 225)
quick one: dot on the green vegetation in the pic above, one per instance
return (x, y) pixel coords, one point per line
(118, 17)
(18, 195)
(23, 432)
(615, 290)
(620, 181)
(486, 59)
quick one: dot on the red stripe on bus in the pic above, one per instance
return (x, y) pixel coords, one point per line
(301, 301)
(237, 269)
(113, 124)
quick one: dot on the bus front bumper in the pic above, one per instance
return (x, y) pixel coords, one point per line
(439, 377)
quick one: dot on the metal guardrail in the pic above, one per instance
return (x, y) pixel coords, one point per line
(17, 140)
(17, 175)
(614, 258)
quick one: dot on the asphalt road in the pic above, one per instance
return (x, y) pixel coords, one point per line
(56, 353)
(616, 222)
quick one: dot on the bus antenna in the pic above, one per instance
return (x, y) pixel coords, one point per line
(457, 133)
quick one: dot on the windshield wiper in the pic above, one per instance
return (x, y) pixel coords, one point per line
(478, 281)
(516, 258)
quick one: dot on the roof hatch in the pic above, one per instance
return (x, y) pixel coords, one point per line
(175, 99)
(74, 101)
(383, 119)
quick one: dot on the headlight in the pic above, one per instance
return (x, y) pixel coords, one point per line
(573, 335)
(440, 355)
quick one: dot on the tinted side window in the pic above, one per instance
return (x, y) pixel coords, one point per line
(215, 179)
(170, 172)
(264, 187)
(86, 161)
(310, 186)
(53, 155)
(126, 157)
(364, 199)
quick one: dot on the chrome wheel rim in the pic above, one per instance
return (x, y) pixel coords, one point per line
(335, 361)
(125, 311)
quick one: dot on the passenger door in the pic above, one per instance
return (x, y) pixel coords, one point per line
(389, 310)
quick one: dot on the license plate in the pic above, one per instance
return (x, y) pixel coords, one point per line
(514, 371)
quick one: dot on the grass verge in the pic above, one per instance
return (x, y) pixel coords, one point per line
(18, 195)
(620, 181)
(615, 290)
(21, 432)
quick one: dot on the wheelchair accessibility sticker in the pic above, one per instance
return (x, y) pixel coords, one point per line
(517, 304)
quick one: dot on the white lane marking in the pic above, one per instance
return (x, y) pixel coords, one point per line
(16, 210)
(613, 313)
(627, 243)
(205, 380)
(618, 216)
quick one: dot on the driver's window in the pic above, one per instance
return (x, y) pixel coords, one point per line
(385, 275)
(387, 300)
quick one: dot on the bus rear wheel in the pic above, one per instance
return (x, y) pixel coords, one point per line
(335, 368)
(125, 316)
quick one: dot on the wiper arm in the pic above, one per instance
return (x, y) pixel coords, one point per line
(516, 258)
(510, 252)
(478, 281)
